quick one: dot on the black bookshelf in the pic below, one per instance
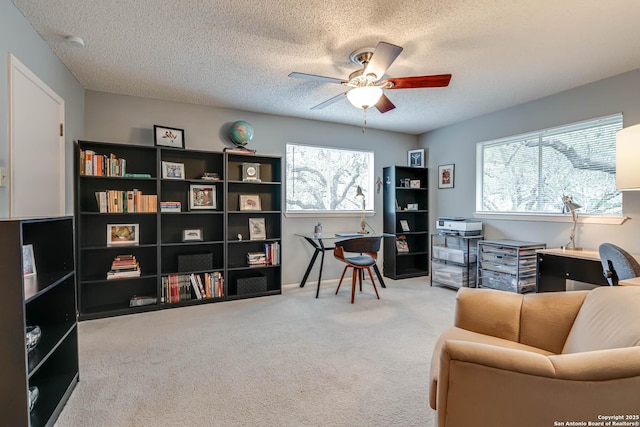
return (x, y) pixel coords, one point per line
(46, 299)
(196, 239)
(405, 200)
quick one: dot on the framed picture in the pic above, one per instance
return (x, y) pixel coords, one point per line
(28, 261)
(446, 175)
(415, 158)
(202, 196)
(250, 202)
(168, 137)
(414, 183)
(123, 234)
(412, 206)
(257, 229)
(172, 170)
(192, 235)
(405, 225)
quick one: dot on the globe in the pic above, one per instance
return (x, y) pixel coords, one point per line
(241, 133)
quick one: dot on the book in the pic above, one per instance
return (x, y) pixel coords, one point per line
(194, 286)
(401, 244)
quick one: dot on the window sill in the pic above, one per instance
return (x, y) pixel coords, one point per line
(582, 219)
(325, 214)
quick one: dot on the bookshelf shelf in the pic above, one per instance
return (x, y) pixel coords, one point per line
(47, 300)
(161, 243)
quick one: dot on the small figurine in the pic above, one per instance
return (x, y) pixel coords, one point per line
(239, 236)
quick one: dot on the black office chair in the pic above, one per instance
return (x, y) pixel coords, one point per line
(617, 263)
(367, 249)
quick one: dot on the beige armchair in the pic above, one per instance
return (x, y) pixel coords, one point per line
(535, 359)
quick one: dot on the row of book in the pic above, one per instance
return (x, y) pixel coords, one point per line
(93, 164)
(184, 287)
(124, 266)
(270, 255)
(126, 201)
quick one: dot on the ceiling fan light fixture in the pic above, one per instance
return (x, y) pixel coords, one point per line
(365, 96)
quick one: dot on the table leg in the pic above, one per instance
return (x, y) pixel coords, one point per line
(322, 249)
(310, 266)
(375, 268)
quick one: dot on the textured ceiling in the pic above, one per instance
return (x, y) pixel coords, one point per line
(238, 53)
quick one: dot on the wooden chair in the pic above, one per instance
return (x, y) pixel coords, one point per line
(366, 249)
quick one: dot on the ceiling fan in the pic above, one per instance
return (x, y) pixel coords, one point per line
(366, 84)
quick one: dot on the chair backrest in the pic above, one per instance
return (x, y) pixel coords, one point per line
(361, 244)
(617, 264)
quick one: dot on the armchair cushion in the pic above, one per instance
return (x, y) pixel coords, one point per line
(609, 318)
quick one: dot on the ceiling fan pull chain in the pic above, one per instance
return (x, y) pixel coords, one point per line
(365, 119)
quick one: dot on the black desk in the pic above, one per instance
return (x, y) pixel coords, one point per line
(556, 266)
(319, 248)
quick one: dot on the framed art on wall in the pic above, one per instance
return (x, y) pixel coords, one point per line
(446, 176)
(168, 137)
(415, 158)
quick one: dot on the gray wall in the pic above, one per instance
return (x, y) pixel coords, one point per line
(457, 144)
(127, 119)
(18, 37)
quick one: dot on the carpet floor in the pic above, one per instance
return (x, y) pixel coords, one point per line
(287, 360)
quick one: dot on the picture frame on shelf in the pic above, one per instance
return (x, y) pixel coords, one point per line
(171, 170)
(202, 196)
(257, 229)
(412, 206)
(250, 202)
(404, 224)
(28, 261)
(446, 176)
(415, 158)
(414, 183)
(168, 137)
(192, 235)
(123, 234)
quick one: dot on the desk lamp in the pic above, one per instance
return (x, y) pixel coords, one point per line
(363, 222)
(570, 206)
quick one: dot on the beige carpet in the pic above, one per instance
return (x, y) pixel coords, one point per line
(288, 360)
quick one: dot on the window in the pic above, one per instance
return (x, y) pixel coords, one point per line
(322, 180)
(530, 173)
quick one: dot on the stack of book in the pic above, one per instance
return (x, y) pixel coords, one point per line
(170, 206)
(256, 258)
(124, 266)
(93, 164)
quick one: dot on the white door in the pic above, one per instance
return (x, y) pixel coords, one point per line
(36, 146)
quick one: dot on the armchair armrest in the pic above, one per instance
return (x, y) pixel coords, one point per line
(477, 380)
(489, 312)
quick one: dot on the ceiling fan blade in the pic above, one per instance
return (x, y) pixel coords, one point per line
(330, 101)
(318, 78)
(382, 58)
(439, 80)
(384, 104)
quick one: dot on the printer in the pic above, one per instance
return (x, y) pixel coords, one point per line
(459, 226)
